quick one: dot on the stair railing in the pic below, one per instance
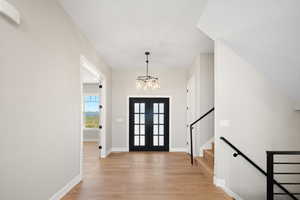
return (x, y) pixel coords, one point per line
(271, 180)
(270, 173)
(191, 132)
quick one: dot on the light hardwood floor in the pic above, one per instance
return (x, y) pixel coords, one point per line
(143, 176)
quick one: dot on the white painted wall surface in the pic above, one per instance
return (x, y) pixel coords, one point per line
(40, 100)
(203, 71)
(297, 106)
(173, 84)
(260, 118)
(265, 33)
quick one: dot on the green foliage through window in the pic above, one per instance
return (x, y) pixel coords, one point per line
(91, 111)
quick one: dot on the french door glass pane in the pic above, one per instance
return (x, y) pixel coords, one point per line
(155, 140)
(155, 130)
(142, 129)
(142, 141)
(161, 129)
(136, 129)
(155, 119)
(161, 118)
(136, 108)
(161, 140)
(142, 108)
(155, 108)
(158, 124)
(136, 141)
(161, 108)
(136, 118)
(142, 119)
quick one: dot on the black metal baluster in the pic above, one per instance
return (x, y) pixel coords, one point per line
(270, 176)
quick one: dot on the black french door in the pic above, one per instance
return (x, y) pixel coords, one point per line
(149, 124)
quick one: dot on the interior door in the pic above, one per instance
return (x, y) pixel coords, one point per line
(149, 124)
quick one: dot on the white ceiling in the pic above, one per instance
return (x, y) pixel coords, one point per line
(265, 33)
(122, 30)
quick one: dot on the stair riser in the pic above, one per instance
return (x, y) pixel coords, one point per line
(209, 158)
(207, 155)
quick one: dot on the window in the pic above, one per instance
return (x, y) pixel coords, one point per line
(91, 111)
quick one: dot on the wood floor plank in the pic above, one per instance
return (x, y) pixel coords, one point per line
(143, 176)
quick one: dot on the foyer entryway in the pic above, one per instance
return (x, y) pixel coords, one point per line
(143, 175)
(149, 124)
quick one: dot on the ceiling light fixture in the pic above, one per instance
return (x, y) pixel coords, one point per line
(147, 81)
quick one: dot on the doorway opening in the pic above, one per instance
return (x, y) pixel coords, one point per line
(149, 124)
(93, 115)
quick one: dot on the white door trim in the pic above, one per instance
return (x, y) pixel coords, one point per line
(191, 111)
(84, 63)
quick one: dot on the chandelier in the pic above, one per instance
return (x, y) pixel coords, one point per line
(147, 81)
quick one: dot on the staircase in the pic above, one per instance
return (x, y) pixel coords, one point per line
(207, 161)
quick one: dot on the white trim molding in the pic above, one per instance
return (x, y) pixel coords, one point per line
(119, 149)
(62, 192)
(125, 149)
(221, 183)
(107, 153)
(10, 11)
(178, 149)
(86, 64)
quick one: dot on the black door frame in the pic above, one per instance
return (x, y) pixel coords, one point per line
(149, 119)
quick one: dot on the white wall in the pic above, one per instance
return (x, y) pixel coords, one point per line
(265, 33)
(91, 88)
(173, 83)
(203, 71)
(297, 106)
(40, 100)
(91, 134)
(260, 119)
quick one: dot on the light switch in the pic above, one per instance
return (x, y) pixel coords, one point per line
(9, 11)
(225, 123)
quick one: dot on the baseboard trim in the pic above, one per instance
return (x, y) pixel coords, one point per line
(119, 149)
(62, 192)
(107, 153)
(178, 149)
(221, 183)
(104, 154)
(125, 149)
